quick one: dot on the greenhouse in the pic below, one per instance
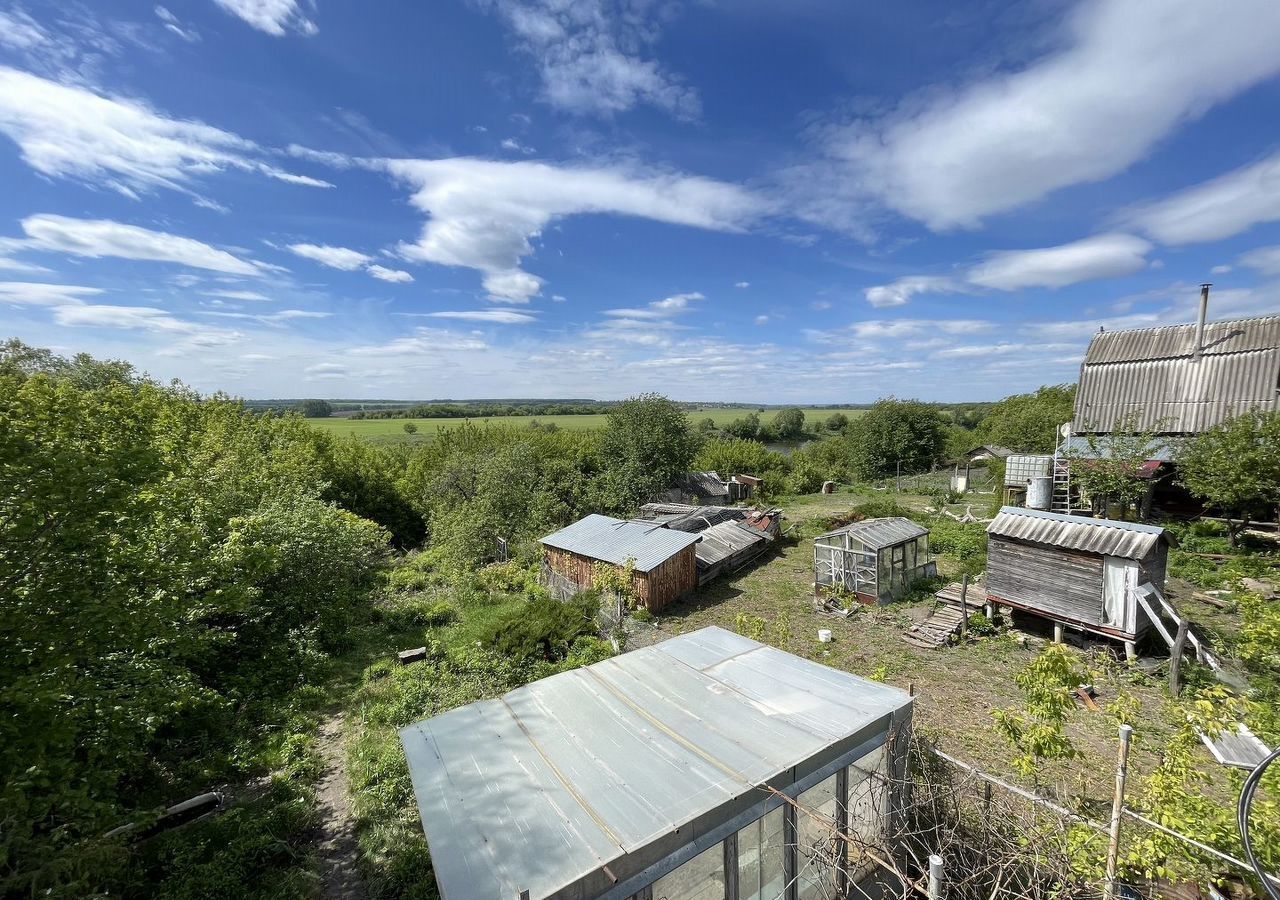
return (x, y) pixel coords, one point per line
(875, 560)
(706, 766)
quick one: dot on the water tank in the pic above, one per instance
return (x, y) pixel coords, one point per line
(1040, 492)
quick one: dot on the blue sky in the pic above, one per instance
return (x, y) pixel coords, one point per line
(812, 201)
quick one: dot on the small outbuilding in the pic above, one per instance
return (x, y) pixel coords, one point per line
(876, 559)
(1075, 570)
(663, 560)
(708, 765)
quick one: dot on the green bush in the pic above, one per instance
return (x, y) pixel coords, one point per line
(964, 542)
(419, 612)
(542, 628)
(406, 579)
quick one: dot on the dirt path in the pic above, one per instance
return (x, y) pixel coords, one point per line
(340, 876)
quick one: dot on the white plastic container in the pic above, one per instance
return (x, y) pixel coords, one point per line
(824, 635)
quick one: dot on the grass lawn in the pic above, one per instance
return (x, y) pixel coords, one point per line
(392, 430)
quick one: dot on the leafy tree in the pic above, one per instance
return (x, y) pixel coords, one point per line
(706, 427)
(746, 427)
(1037, 734)
(892, 432)
(1110, 470)
(315, 409)
(836, 422)
(646, 445)
(788, 424)
(1028, 422)
(1236, 467)
(410, 428)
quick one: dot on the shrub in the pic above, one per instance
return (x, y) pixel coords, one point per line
(405, 580)
(542, 628)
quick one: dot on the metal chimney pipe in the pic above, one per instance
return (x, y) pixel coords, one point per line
(1204, 311)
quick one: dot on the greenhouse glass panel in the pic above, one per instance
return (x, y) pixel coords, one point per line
(701, 878)
(817, 842)
(760, 858)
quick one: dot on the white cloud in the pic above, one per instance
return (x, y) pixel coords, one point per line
(334, 257)
(30, 293)
(18, 31)
(511, 145)
(1264, 259)
(1123, 77)
(896, 328)
(1217, 209)
(496, 316)
(382, 273)
(742, 284)
(95, 238)
(762, 320)
(327, 370)
(665, 308)
(17, 265)
(484, 215)
(275, 17)
(174, 26)
(590, 56)
(251, 296)
(899, 292)
(293, 178)
(276, 318)
(1220, 270)
(70, 132)
(559, 298)
(137, 318)
(424, 342)
(1100, 256)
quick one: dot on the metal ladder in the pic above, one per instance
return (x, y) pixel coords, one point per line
(1061, 484)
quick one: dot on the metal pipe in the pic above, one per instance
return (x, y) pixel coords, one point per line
(1204, 311)
(935, 877)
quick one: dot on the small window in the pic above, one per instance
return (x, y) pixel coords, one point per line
(760, 858)
(818, 845)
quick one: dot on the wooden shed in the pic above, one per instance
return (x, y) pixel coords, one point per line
(1074, 570)
(664, 561)
(876, 559)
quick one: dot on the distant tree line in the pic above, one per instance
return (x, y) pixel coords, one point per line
(484, 410)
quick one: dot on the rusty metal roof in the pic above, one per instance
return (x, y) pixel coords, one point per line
(616, 541)
(1152, 379)
(1107, 537)
(877, 534)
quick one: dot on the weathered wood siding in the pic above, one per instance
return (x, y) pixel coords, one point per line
(654, 589)
(1063, 584)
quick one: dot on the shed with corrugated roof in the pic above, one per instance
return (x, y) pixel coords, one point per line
(1075, 570)
(875, 560)
(662, 560)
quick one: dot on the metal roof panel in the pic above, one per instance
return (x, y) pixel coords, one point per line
(617, 541)
(1130, 540)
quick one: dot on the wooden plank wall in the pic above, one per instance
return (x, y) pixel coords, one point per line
(654, 589)
(1062, 583)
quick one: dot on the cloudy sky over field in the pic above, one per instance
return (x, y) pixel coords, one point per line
(737, 200)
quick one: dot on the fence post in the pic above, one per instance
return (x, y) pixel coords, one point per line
(1117, 809)
(964, 608)
(1175, 657)
(935, 877)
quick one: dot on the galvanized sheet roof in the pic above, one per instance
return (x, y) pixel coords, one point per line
(1107, 537)
(880, 533)
(721, 541)
(549, 783)
(616, 541)
(1161, 449)
(1150, 377)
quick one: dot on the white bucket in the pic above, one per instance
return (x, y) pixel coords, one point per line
(824, 635)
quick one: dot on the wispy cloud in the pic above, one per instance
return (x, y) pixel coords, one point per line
(590, 54)
(65, 131)
(334, 257)
(957, 156)
(484, 215)
(274, 17)
(1225, 206)
(95, 238)
(494, 316)
(395, 276)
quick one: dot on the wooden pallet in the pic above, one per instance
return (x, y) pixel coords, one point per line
(936, 630)
(974, 599)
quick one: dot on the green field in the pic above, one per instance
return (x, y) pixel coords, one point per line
(390, 430)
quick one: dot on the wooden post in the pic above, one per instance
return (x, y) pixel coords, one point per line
(964, 607)
(1059, 630)
(1131, 651)
(1117, 809)
(897, 479)
(935, 877)
(1175, 657)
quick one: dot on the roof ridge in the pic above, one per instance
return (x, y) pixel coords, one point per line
(1185, 325)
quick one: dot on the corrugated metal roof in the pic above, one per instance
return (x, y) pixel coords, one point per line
(557, 779)
(1174, 341)
(1151, 378)
(616, 541)
(719, 542)
(1107, 537)
(880, 533)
